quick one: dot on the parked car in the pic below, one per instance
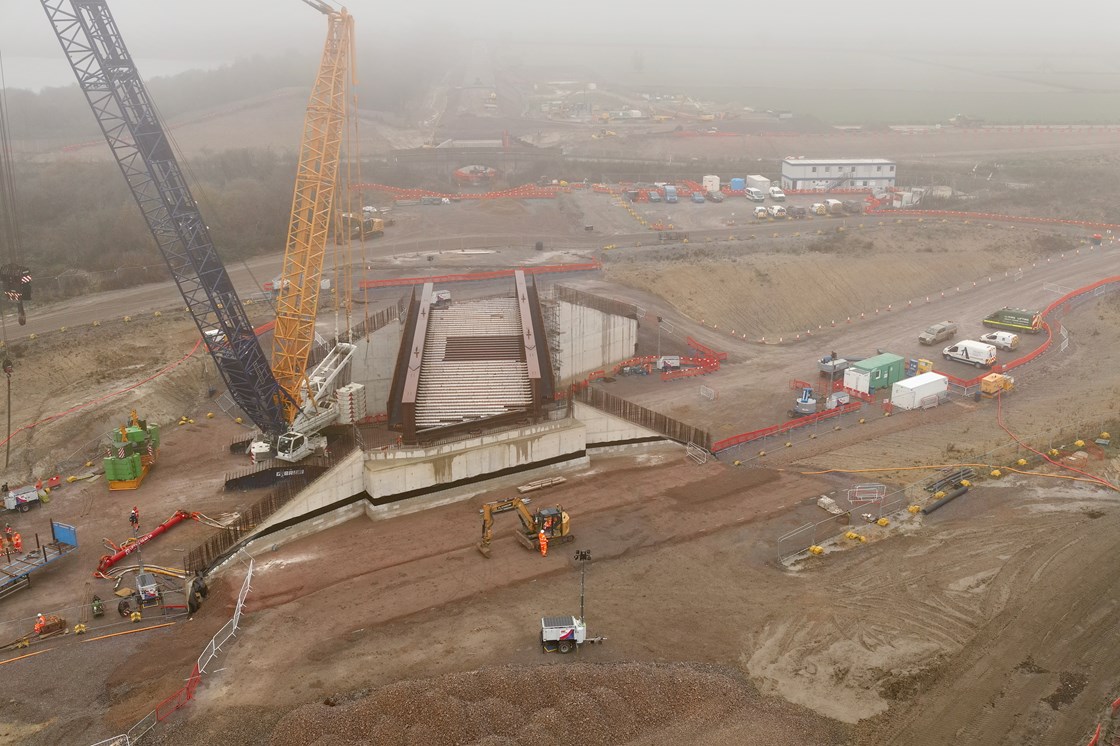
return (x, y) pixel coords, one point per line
(796, 211)
(754, 195)
(698, 198)
(761, 213)
(777, 194)
(776, 211)
(938, 332)
(1001, 340)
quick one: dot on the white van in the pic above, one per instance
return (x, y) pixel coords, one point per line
(970, 351)
(754, 195)
(1002, 340)
(777, 194)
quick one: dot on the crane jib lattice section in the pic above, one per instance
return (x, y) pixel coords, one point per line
(312, 199)
(120, 102)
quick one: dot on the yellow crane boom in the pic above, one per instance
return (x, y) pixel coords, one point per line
(312, 200)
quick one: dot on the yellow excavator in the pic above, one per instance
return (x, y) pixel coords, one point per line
(553, 521)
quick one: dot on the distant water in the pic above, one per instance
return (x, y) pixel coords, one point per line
(36, 73)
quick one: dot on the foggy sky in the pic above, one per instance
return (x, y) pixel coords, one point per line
(168, 36)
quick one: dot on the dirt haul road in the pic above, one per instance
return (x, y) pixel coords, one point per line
(374, 625)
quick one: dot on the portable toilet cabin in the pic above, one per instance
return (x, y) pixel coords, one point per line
(874, 373)
(919, 392)
(738, 184)
(710, 183)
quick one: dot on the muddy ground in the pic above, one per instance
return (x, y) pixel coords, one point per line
(981, 623)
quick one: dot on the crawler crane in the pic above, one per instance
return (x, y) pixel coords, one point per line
(287, 403)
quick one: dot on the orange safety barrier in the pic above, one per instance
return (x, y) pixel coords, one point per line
(708, 351)
(1049, 334)
(642, 360)
(673, 375)
(476, 276)
(1096, 736)
(179, 698)
(735, 440)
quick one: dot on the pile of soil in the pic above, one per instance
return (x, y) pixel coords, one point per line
(568, 703)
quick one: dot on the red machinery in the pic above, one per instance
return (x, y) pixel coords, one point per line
(132, 545)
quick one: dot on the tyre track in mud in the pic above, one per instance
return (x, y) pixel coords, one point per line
(991, 691)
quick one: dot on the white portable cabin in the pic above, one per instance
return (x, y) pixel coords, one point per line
(919, 392)
(710, 183)
(857, 380)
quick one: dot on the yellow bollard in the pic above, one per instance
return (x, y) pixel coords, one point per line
(816, 550)
(914, 508)
(1079, 443)
(882, 522)
(996, 473)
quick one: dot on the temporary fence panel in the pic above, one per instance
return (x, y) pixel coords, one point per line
(697, 454)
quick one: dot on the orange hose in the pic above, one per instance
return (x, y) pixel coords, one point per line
(1090, 477)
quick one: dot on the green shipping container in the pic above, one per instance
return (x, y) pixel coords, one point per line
(884, 370)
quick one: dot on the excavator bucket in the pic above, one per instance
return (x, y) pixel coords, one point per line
(484, 549)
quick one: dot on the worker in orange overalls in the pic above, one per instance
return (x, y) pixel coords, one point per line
(40, 622)
(17, 541)
(543, 538)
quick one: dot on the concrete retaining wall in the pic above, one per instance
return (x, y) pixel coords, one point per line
(591, 340)
(603, 428)
(433, 473)
(402, 470)
(373, 364)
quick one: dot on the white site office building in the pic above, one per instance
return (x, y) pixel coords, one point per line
(837, 173)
